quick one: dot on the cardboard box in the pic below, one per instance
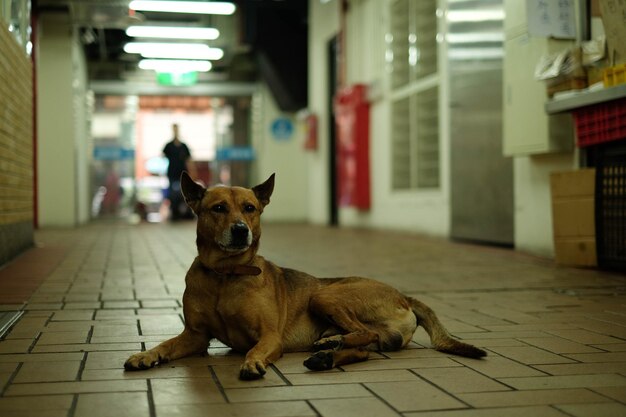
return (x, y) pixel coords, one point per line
(573, 217)
(614, 20)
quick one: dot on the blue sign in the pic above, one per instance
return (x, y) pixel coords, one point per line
(112, 153)
(235, 153)
(282, 128)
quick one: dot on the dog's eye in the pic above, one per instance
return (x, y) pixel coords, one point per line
(249, 208)
(219, 208)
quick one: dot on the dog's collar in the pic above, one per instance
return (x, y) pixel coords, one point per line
(237, 270)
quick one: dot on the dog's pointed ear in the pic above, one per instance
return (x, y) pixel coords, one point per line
(263, 191)
(192, 191)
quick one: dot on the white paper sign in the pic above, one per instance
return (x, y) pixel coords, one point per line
(555, 18)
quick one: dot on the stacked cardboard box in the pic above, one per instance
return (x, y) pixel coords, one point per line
(573, 217)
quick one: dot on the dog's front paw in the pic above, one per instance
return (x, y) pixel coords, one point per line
(142, 360)
(252, 370)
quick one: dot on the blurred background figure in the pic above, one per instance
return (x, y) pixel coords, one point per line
(179, 158)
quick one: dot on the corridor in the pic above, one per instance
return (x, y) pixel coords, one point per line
(555, 336)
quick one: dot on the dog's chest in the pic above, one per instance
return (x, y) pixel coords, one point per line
(236, 314)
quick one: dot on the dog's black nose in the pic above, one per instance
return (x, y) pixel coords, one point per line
(239, 231)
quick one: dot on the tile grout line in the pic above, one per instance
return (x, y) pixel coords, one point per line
(81, 367)
(72, 410)
(469, 406)
(151, 406)
(453, 358)
(32, 345)
(363, 384)
(317, 413)
(280, 374)
(218, 384)
(10, 380)
(605, 396)
(554, 407)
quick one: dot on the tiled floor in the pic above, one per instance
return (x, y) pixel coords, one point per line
(556, 336)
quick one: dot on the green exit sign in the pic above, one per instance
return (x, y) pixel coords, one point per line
(177, 78)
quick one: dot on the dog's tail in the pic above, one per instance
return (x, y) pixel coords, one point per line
(439, 336)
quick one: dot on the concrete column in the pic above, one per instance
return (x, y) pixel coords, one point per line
(60, 160)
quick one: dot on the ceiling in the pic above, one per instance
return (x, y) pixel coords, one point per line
(264, 39)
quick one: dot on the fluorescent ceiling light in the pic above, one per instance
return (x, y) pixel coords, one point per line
(172, 65)
(199, 7)
(475, 37)
(475, 15)
(174, 50)
(172, 32)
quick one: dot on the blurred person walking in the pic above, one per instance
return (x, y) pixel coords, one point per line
(179, 157)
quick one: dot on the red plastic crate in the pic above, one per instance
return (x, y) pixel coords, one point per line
(600, 123)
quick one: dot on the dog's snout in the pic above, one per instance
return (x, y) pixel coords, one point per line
(239, 230)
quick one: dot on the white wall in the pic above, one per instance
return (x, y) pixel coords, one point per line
(62, 154)
(285, 158)
(421, 211)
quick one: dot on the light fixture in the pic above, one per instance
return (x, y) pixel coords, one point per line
(475, 37)
(172, 32)
(198, 7)
(457, 16)
(173, 65)
(173, 50)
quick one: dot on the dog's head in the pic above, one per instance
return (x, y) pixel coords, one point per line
(229, 219)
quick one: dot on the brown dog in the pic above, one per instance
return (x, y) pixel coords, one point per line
(236, 296)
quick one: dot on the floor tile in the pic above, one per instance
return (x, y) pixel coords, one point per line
(593, 410)
(534, 411)
(305, 392)
(414, 395)
(40, 413)
(86, 347)
(531, 397)
(584, 336)
(598, 357)
(107, 360)
(179, 391)
(559, 345)
(353, 407)
(616, 393)
(350, 377)
(498, 367)
(15, 346)
(166, 370)
(458, 380)
(47, 372)
(119, 404)
(75, 387)
(568, 381)
(277, 409)
(530, 355)
(62, 338)
(583, 368)
(36, 403)
(42, 357)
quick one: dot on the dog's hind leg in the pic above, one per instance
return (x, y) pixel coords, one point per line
(185, 344)
(328, 359)
(354, 333)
